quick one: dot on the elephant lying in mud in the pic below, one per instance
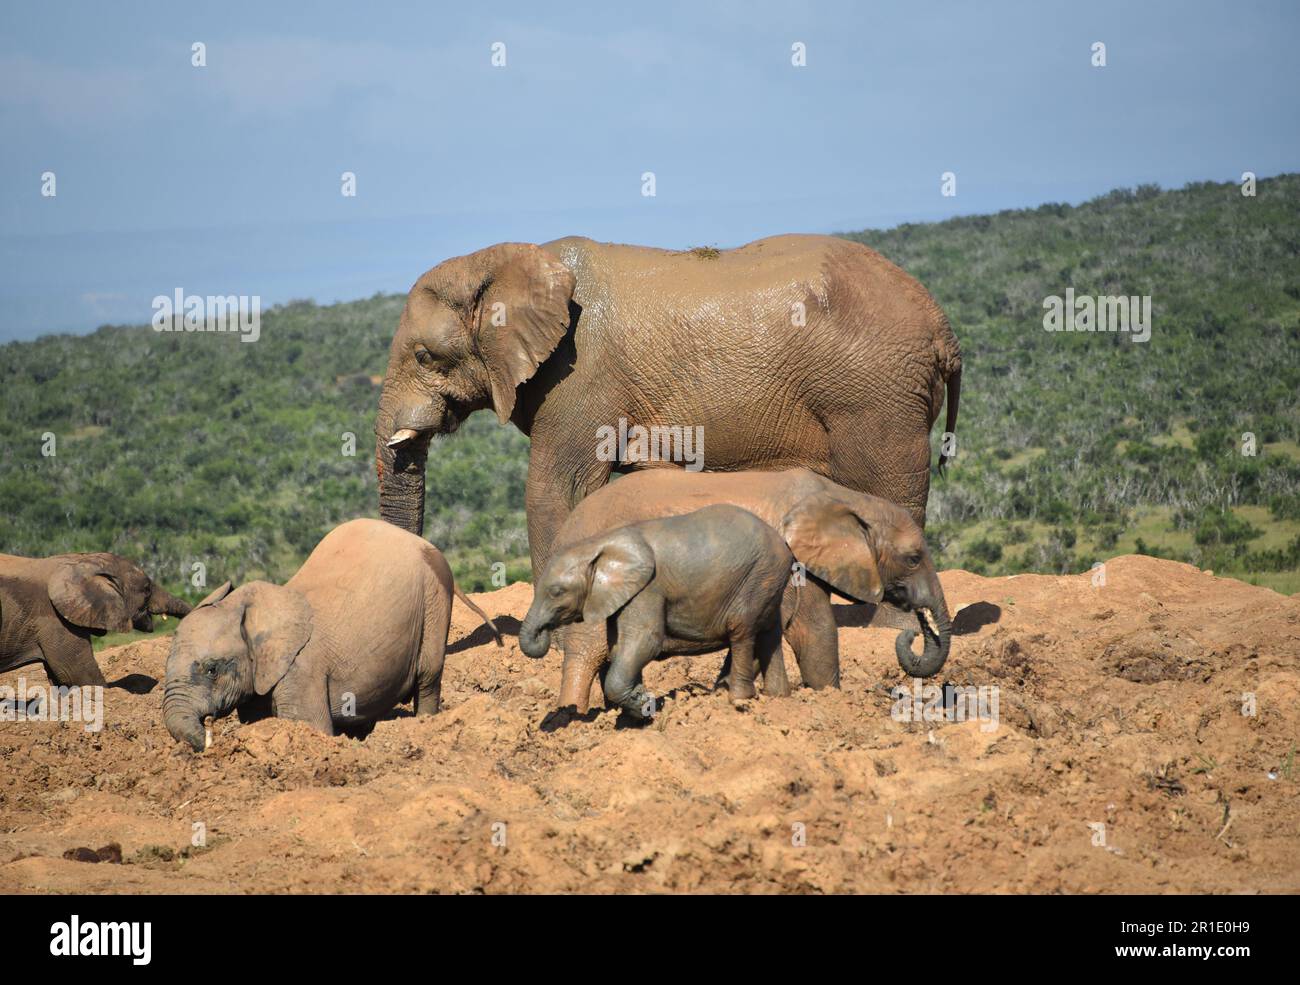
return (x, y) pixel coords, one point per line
(359, 629)
(861, 546)
(790, 351)
(51, 607)
(683, 584)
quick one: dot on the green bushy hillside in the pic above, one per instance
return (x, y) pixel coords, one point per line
(187, 448)
(177, 449)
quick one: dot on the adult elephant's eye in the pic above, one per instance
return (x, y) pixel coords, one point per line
(211, 671)
(425, 358)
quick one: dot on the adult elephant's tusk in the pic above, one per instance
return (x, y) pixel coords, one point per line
(402, 436)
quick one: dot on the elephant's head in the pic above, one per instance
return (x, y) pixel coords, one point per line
(106, 593)
(473, 329)
(869, 549)
(232, 647)
(586, 582)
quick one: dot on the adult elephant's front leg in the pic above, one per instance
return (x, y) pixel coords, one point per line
(558, 479)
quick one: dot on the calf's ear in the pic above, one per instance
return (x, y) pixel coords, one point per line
(831, 541)
(87, 593)
(621, 567)
(276, 625)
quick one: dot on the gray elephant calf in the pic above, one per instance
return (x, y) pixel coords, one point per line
(359, 629)
(683, 584)
(50, 608)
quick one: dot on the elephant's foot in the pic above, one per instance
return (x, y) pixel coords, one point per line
(741, 691)
(639, 703)
(775, 682)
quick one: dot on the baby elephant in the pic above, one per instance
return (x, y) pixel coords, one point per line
(50, 608)
(682, 584)
(359, 629)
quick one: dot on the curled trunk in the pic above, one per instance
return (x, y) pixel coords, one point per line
(533, 641)
(938, 641)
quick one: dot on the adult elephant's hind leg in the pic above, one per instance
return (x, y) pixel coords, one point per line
(896, 469)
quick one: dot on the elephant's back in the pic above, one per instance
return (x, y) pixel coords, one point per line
(362, 556)
(629, 273)
(652, 494)
(822, 309)
(794, 262)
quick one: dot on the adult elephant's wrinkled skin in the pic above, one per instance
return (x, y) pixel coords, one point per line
(791, 351)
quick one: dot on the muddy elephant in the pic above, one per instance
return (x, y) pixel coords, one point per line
(51, 607)
(360, 628)
(791, 351)
(682, 584)
(862, 547)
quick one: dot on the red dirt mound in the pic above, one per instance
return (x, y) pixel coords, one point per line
(1124, 757)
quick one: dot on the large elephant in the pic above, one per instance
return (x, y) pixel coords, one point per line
(50, 608)
(794, 350)
(860, 546)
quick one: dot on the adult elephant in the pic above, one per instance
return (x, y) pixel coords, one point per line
(791, 351)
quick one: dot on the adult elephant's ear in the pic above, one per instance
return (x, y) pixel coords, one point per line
(276, 626)
(86, 592)
(523, 313)
(620, 568)
(831, 541)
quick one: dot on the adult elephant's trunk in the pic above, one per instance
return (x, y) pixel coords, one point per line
(182, 718)
(533, 640)
(400, 455)
(164, 603)
(936, 628)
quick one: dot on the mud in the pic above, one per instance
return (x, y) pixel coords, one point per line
(1118, 705)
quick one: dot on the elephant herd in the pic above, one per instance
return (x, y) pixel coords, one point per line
(810, 371)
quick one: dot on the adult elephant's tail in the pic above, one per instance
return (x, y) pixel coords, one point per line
(953, 384)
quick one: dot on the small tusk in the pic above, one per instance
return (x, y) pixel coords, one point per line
(402, 436)
(207, 734)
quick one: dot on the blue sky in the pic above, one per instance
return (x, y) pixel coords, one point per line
(226, 179)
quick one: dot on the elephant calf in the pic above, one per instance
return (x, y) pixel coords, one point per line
(359, 629)
(683, 584)
(51, 607)
(860, 546)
